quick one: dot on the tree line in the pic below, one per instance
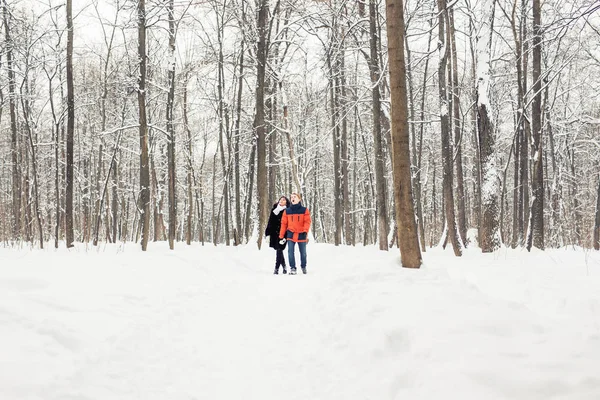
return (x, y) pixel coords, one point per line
(409, 124)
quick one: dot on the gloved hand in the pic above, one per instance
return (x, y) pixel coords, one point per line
(282, 241)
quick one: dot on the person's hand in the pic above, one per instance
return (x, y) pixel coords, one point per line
(282, 241)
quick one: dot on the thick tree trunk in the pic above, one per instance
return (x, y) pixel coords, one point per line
(382, 207)
(536, 230)
(489, 236)
(405, 215)
(144, 199)
(259, 120)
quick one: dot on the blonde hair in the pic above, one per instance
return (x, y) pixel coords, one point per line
(297, 195)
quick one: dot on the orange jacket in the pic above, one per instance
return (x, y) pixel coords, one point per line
(295, 223)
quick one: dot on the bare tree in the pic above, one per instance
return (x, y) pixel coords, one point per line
(489, 237)
(16, 177)
(171, 130)
(405, 214)
(447, 153)
(70, 128)
(536, 229)
(259, 119)
(144, 197)
(456, 124)
(382, 210)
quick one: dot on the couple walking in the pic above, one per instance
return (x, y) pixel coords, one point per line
(289, 222)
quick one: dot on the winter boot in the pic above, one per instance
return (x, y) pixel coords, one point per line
(284, 270)
(276, 272)
(292, 271)
(304, 270)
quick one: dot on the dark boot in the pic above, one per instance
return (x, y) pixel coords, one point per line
(276, 272)
(304, 270)
(284, 270)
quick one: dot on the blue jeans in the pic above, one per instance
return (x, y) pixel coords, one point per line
(292, 259)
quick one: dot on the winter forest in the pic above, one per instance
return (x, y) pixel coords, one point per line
(185, 120)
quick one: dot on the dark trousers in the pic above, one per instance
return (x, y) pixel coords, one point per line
(279, 260)
(302, 248)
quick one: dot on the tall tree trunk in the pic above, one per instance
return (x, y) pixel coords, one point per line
(521, 195)
(14, 149)
(345, 192)
(524, 206)
(382, 211)
(333, 67)
(337, 192)
(236, 145)
(405, 215)
(70, 128)
(460, 186)
(536, 230)
(476, 215)
(222, 117)
(417, 152)
(144, 200)
(259, 120)
(171, 131)
(56, 144)
(447, 151)
(489, 236)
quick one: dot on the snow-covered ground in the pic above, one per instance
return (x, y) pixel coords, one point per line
(214, 323)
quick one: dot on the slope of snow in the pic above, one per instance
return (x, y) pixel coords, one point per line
(214, 323)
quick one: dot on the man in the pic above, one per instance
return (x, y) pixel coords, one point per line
(295, 224)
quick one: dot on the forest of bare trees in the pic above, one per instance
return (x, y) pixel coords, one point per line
(403, 124)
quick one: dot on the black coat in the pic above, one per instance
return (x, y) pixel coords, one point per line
(273, 227)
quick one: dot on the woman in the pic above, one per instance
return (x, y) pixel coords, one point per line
(272, 230)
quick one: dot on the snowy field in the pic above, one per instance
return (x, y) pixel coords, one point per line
(214, 323)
